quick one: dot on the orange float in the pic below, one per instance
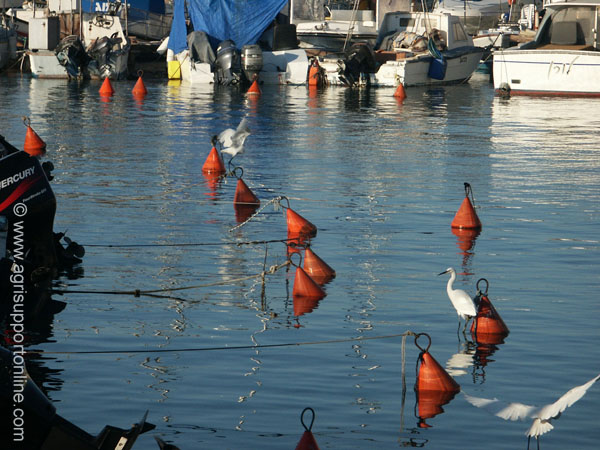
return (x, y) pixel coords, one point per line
(243, 194)
(254, 89)
(299, 225)
(316, 268)
(466, 217)
(400, 93)
(487, 325)
(305, 286)
(213, 163)
(34, 145)
(139, 90)
(106, 90)
(431, 376)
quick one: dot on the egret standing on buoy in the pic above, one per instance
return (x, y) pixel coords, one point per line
(462, 302)
(233, 140)
(541, 416)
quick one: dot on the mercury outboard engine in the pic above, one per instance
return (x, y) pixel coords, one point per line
(360, 59)
(71, 54)
(252, 61)
(103, 52)
(228, 64)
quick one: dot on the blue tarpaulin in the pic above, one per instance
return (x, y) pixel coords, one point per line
(242, 21)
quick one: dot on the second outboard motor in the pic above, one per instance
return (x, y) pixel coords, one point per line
(360, 59)
(71, 54)
(227, 64)
(252, 61)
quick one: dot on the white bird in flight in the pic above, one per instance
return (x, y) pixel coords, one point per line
(541, 416)
(462, 302)
(233, 140)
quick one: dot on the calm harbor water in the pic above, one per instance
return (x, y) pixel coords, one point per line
(382, 182)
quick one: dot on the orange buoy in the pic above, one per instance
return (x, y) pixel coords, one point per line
(213, 163)
(34, 145)
(466, 217)
(305, 286)
(243, 194)
(431, 376)
(299, 225)
(488, 321)
(139, 90)
(307, 441)
(316, 268)
(254, 89)
(106, 90)
(400, 94)
(314, 74)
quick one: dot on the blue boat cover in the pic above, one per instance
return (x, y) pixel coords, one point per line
(242, 21)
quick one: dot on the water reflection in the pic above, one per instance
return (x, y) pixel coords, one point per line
(465, 240)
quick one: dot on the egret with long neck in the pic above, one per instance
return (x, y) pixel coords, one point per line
(462, 302)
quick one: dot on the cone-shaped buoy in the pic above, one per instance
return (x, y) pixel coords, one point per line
(466, 217)
(34, 145)
(253, 89)
(488, 321)
(139, 90)
(106, 90)
(316, 268)
(243, 194)
(304, 305)
(307, 441)
(305, 286)
(400, 94)
(298, 224)
(213, 163)
(431, 376)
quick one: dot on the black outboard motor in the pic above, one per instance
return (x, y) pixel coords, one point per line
(71, 54)
(228, 64)
(360, 59)
(28, 420)
(252, 61)
(103, 53)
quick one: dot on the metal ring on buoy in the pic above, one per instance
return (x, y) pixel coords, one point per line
(487, 285)
(292, 262)
(311, 422)
(417, 336)
(235, 170)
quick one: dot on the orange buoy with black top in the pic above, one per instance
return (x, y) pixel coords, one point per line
(243, 194)
(299, 225)
(213, 163)
(314, 73)
(139, 90)
(316, 268)
(400, 94)
(34, 145)
(307, 441)
(305, 286)
(466, 217)
(106, 90)
(431, 375)
(487, 321)
(254, 89)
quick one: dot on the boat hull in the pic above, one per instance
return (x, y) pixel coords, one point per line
(547, 72)
(44, 64)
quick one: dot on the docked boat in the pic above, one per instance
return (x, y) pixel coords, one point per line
(475, 14)
(563, 59)
(234, 44)
(98, 49)
(8, 43)
(334, 25)
(413, 48)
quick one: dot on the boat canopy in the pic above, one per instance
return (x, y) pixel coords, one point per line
(242, 21)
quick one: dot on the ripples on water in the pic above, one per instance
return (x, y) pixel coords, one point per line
(382, 182)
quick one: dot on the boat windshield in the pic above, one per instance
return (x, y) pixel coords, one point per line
(572, 26)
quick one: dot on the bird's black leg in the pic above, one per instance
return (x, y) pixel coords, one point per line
(528, 439)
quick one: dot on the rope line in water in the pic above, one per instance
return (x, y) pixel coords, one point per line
(237, 347)
(189, 244)
(153, 292)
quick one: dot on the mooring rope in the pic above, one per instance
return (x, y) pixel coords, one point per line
(236, 347)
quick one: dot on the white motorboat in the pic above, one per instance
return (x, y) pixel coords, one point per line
(333, 25)
(475, 14)
(563, 59)
(414, 49)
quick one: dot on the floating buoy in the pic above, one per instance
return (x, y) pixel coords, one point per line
(299, 225)
(213, 163)
(466, 217)
(400, 94)
(431, 376)
(34, 145)
(315, 76)
(307, 441)
(316, 268)
(487, 321)
(139, 90)
(305, 286)
(243, 194)
(254, 89)
(106, 90)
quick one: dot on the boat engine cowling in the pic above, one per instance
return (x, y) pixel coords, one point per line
(227, 64)
(71, 54)
(360, 59)
(252, 61)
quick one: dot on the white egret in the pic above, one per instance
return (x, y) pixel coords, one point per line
(233, 140)
(542, 416)
(462, 302)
